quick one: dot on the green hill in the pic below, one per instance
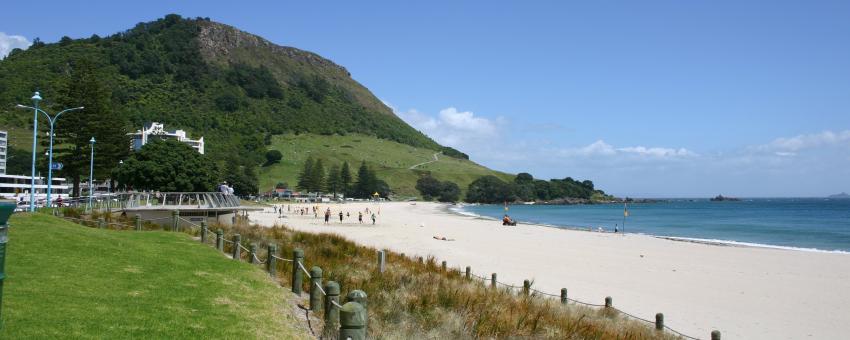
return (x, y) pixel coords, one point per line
(391, 160)
(234, 88)
(68, 281)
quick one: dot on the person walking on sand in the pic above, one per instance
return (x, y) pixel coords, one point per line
(360, 217)
(328, 216)
(373, 218)
(340, 217)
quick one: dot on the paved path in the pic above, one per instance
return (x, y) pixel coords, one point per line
(423, 163)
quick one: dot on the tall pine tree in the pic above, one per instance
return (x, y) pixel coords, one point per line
(305, 178)
(366, 182)
(334, 183)
(75, 129)
(318, 176)
(345, 179)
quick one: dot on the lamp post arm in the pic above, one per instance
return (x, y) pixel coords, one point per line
(66, 110)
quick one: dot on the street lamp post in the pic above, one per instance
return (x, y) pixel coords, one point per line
(35, 99)
(91, 173)
(52, 121)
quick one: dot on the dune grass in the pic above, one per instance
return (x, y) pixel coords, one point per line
(68, 281)
(389, 159)
(418, 300)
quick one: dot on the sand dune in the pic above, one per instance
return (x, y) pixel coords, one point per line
(746, 293)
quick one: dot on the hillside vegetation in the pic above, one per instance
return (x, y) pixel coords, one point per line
(234, 88)
(68, 281)
(390, 160)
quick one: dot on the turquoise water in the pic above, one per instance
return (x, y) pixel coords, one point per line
(807, 223)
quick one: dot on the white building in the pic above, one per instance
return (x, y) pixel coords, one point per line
(18, 188)
(4, 138)
(156, 130)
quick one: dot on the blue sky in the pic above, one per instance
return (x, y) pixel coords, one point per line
(650, 98)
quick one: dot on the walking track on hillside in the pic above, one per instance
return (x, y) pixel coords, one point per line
(428, 162)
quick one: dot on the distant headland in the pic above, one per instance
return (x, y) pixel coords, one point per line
(841, 195)
(721, 198)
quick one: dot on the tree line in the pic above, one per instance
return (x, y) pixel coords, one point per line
(491, 189)
(338, 179)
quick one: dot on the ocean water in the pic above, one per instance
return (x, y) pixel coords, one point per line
(815, 224)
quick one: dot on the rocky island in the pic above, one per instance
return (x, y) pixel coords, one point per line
(721, 198)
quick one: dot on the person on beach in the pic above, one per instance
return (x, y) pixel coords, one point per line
(373, 219)
(443, 238)
(360, 217)
(340, 217)
(507, 220)
(328, 216)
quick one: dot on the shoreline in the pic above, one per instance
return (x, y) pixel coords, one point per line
(695, 240)
(745, 292)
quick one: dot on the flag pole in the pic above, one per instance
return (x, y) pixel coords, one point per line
(625, 213)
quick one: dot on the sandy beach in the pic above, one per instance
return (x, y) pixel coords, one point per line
(746, 293)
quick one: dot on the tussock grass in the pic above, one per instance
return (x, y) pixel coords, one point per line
(414, 299)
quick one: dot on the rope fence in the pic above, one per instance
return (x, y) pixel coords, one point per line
(330, 292)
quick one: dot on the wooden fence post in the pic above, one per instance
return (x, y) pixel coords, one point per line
(608, 302)
(564, 299)
(493, 280)
(204, 231)
(382, 261)
(271, 266)
(315, 284)
(443, 266)
(252, 255)
(237, 239)
(352, 321)
(297, 260)
(331, 310)
(526, 287)
(219, 240)
(468, 272)
(715, 335)
(358, 296)
(138, 219)
(659, 321)
(175, 220)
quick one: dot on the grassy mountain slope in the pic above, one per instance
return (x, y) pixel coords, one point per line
(234, 88)
(391, 160)
(68, 281)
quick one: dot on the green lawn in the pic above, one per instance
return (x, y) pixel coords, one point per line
(68, 281)
(391, 161)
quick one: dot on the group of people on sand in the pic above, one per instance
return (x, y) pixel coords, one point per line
(342, 216)
(278, 209)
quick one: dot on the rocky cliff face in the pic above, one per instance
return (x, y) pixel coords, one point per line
(219, 41)
(223, 44)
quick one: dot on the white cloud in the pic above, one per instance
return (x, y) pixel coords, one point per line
(466, 120)
(807, 141)
(601, 148)
(459, 129)
(10, 42)
(657, 152)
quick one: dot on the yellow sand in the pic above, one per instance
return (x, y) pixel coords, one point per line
(746, 293)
